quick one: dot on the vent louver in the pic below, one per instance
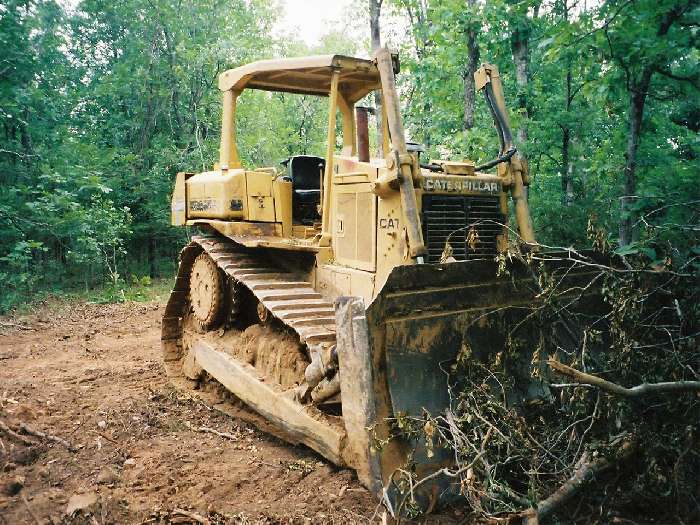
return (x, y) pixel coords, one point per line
(470, 223)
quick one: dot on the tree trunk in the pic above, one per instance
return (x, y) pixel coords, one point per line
(26, 136)
(520, 49)
(152, 257)
(375, 11)
(521, 56)
(569, 190)
(175, 92)
(638, 95)
(472, 65)
(566, 170)
(567, 183)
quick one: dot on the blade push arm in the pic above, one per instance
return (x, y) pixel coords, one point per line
(512, 166)
(403, 161)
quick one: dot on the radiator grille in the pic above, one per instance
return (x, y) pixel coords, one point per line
(470, 223)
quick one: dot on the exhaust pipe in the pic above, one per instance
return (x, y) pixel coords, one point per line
(362, 114)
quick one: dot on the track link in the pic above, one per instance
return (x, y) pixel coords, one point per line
(291, 299)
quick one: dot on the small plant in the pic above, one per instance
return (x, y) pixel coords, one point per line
(119, 291)
(19, 281)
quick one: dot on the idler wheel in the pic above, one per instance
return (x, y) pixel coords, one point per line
(206, 292)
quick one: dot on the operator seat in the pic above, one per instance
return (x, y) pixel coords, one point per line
(305, 172)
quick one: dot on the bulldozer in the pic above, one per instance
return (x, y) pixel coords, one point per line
(331, 294)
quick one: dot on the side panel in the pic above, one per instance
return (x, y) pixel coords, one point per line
(261, 209)
(216, 195)
(282, 191)
(392, 244)
(261, 205)
(333, 280)
(354, 228)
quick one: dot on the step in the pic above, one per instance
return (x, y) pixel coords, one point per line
(310, 337)
(275, 285)
(314, 321)
(253, 270)
(235, 260)
(286, 306)
(277, 276)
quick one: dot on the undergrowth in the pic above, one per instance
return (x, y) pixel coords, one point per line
(136, 289)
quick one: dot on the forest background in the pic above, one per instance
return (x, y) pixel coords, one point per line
(101, 103)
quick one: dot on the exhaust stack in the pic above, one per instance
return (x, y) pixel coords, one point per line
(362, 133)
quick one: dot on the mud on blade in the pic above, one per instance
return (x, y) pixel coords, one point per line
(397, 355)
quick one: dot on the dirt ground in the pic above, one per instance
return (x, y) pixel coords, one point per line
(91, 375)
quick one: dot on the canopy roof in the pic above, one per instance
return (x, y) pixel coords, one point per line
(306, 76)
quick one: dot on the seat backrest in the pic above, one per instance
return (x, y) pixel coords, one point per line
(305, 172)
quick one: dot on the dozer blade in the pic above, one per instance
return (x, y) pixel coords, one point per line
(396, 355)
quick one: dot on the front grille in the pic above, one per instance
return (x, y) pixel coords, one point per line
(469, 224)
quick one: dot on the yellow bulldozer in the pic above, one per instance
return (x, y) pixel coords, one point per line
(331, 295)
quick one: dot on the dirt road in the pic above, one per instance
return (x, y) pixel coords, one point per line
(91, 375)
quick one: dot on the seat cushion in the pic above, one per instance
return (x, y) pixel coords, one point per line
(307, 196)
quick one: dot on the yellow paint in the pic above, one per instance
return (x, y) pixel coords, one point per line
(330, 150)
(212, 194)
(363, 227)
(282, 192)
(228, 150)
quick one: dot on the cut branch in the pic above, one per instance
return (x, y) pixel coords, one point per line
(586, 471)
(18, 154)
(197, 518)
(613, 388)
(17, 325)
(216, 432)
(14, 435)
(48, 437)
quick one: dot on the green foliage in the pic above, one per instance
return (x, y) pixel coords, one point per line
(18, 276)
(584, 63)
(120, 290)
(101, 105)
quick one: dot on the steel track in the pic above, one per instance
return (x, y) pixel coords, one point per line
(285, 294)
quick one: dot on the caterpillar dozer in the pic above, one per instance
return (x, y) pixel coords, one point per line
(332, 295)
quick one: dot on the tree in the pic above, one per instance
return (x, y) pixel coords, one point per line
(375, 11)
(472, 30)
(519, 21)
(643, 39)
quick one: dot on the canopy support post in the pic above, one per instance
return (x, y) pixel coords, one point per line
(328, 175)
